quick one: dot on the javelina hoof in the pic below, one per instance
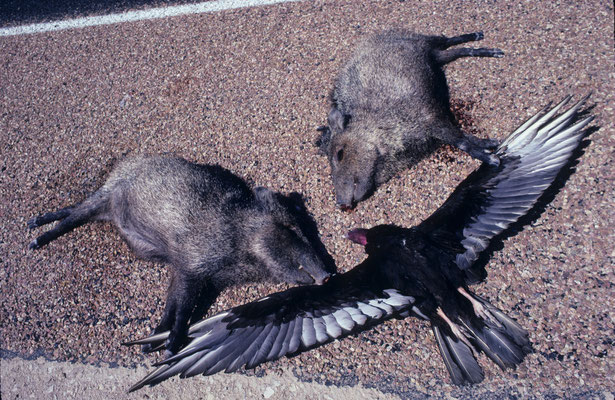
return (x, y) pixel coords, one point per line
(489, 143)
(33, 223)
(168, 347)
(492, 160)
(174, 343)
(148, 348)
(496, 53)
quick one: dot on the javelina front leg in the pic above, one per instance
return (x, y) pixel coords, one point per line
(490, 144)
(478, 148)
(206, 298)
(181, 299)
(481, 149)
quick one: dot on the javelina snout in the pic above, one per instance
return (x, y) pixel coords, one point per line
(207, 224)
(353, 167)
(289, 245)
(350, 188)
(290, 259)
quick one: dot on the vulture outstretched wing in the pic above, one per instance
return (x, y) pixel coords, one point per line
(281, 324)
(492, 198)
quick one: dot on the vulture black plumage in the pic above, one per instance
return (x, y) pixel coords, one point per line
(422, 271)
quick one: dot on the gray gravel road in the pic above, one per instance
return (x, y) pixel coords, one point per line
(246, 88)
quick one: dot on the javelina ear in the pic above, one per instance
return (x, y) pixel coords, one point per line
(337, 123)
(265, 197)
(337, 120)
(324, 141)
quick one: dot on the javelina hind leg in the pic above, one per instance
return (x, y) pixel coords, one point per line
(455, 40)
(446, 56)
(66, 225)
(70, 218)
(49, 217)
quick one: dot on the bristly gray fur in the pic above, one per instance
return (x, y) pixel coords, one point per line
(206, 223)
(390, 108)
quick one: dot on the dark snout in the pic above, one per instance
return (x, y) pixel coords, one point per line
(320, 277)
(323, 279)
(316, 271)
(345, 196)
(349, 193)
(346, 206)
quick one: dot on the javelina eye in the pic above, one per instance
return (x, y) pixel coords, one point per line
(340, 155)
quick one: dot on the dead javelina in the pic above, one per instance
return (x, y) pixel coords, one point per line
(206, 223)
(390, 108)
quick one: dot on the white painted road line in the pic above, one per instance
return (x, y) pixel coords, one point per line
(131, 16)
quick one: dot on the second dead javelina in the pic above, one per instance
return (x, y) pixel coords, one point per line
(390, 108)
(207, 224)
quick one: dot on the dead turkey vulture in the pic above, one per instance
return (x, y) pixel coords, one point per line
(422, 271)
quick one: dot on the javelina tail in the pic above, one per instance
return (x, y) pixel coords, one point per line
(70, 218)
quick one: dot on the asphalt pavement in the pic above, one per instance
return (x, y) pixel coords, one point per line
(246, 88)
